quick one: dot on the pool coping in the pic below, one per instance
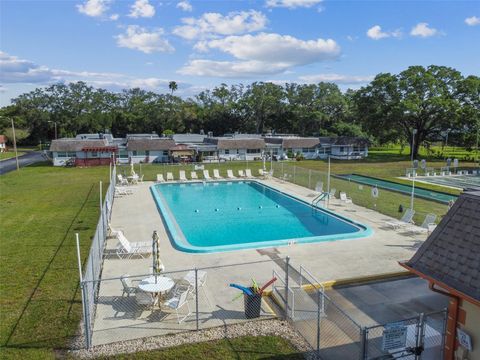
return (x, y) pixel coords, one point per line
(179, 241)
(344, 177)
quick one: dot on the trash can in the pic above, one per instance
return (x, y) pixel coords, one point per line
(252, 303)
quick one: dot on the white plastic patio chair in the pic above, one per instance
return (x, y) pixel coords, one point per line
(127, 284)
(344, 198)
(230, 174)
(181, 175)
(134, 179)
(427, 226)
(216, 174)
(201, 280)
(206, 175)
(170, 176)
(193, 175)
(127, 249)
(241, 173)
(406, 219)
(177, 302)
(332, 193)
(145, 299)
(122, 180)
(248, 173)
(160, 178)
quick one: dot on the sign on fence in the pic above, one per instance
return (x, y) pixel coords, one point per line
(464, 339)
(394, 337)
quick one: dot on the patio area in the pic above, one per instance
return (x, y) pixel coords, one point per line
(119, 318)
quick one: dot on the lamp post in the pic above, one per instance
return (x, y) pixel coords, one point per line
(15, 144)
(55, 125)
(414, 173)
(414, 132)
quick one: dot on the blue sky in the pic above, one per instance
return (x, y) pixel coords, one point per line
(146, 43)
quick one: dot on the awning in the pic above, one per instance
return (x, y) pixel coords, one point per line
(100, 149)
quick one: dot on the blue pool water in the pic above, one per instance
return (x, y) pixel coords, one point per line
(222, 216)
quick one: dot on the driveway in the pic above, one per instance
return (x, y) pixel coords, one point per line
(29, 158)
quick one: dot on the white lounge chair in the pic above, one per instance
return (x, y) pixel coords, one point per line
(170, 176)
(193, 175)
(160, 178)
(121, 191)
(241, 173)
(216, 174)
(248, 173)
(122, 180)
(206, 175)
(178, 301)
(230, 174)
(127, 249)
(428, 224)
(182, 175)
(344, 198)
(406, 219)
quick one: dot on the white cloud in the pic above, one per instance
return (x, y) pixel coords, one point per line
(336, 78)
(139, 38)
(274, 48)
(213, 24)
(423, 30)
(292, 4)
(376, 33)
(185, 5)
(472, 21)
(277, 54)
(94, 8)
(142, 8)
(114, 17)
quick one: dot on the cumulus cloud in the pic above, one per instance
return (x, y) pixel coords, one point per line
(336, 78)
(214, 24)
(114, 17)
(21, 71)
(376, 33)
(141, 8)
(185, 5)
(277, 54)
(423, 30)
(139, 38)
(94, 8)
(292, 4)
(472, 21)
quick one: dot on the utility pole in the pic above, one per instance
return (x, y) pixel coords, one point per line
(15, 144)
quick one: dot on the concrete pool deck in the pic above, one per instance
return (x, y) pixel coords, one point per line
(137, 216)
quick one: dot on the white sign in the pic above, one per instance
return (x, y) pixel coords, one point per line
(394, 337)
(423, 164)
(375, 192)
(455, 163)
(464, 339)
(199, 167)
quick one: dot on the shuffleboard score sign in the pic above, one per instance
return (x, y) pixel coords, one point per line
(394, 337)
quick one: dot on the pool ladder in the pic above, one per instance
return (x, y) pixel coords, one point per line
(320, 197)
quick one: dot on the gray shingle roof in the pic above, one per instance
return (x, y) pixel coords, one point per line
(143, 144)
(294, 142)
(236, 143)
(451, 254)
(75, 144)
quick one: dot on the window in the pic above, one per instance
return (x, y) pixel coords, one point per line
(61, 154)
(227, 151)
(94, 154)
(123, 154)
(165, 152)
(308, 150)
(147, 153)
(253, 151)
(72, 154)
(134, 153)
(342, 149)
(328, 150)
(357, 148)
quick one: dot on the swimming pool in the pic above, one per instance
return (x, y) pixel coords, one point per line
(438, 196)
(223, 216)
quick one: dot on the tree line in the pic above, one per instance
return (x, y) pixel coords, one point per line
(426, 104)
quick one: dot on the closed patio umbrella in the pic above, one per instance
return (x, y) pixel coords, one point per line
(158, 267)
(132, 170)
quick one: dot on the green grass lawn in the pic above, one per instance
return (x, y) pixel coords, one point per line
(42, 208)
(10, 154)
(241, 348)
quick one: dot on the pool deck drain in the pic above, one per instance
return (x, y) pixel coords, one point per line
(138, 217)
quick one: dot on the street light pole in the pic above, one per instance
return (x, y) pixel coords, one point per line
(15, 144)
(55, 125)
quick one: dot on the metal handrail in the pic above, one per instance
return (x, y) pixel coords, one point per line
(277, 275)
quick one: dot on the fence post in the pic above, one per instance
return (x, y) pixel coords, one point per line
(283, 174)
(421, 328)
(309, 178)
(287, 262)
(86, 317)
(294, 171)
(318, 322)
(444, 330)
(196, 297)
(363, 343)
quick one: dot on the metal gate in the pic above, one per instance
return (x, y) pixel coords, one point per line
(417, 338)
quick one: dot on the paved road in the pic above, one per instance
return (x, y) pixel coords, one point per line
(28, 159)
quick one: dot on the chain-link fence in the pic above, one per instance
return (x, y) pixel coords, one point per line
(387, 202)
(93, 267)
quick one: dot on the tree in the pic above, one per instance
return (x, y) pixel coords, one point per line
(422, 99)
(172, 85)
(20, 134)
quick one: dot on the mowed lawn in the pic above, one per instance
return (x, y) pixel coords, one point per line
(42, 208)
(241, 348)
(10, 154)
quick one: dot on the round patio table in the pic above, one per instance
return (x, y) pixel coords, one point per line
(157, 286)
